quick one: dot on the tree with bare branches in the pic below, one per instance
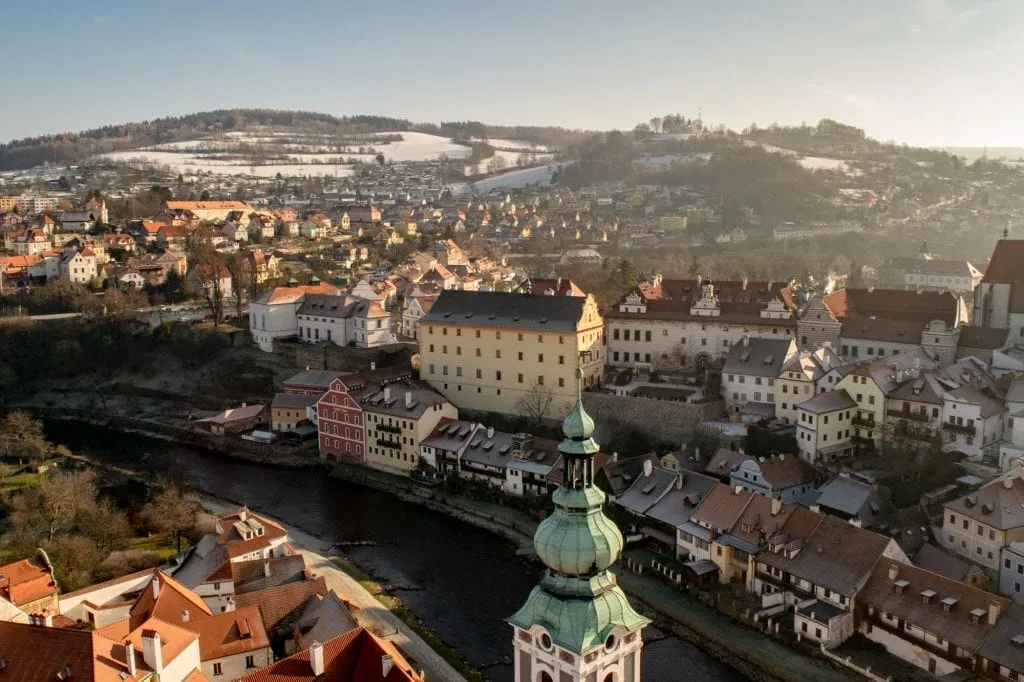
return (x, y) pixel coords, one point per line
(535, 404)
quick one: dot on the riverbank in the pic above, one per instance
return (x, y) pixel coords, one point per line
(749, 651)
(702, 626)
(435, 659)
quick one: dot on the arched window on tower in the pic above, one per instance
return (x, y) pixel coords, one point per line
(610, 677)
(544, 677)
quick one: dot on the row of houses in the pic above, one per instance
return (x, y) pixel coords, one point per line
(821, 576)
(240, 605)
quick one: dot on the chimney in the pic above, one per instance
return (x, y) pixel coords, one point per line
(229, 604)
(679, 481)
(243, 513)
(816, 508)
(184, 615)
(151, 652)
(244, 404)
(648, 468)
(387, 393)
(856, 521)
(746, 339)
(1008, 483)
(776, 505)
(129, 657)
(155, 582)
(744, 282)
(373, 365)
(316, 658)
(408, 399)
(737, 489)
(615, 457)
(386, 664)
(266, 568)
(490, 432)
(993, 612)
(894, 571)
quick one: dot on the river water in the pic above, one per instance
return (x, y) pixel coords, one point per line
(462, 581)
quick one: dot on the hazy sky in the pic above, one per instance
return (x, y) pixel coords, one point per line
(929, 72)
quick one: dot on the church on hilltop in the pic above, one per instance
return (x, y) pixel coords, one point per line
(577, 625)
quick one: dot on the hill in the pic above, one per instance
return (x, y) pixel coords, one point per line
(72, 148)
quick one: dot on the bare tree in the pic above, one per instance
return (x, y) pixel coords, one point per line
(172, 512)
(535, 404)
(237, 266)
(21, 435)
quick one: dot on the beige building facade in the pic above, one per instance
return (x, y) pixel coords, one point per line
(511, 353)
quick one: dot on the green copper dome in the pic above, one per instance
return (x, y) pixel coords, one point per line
(578, 425)
(578, 625)
(578, 602)
(578, 543)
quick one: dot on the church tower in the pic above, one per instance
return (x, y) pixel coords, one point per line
(577, 625)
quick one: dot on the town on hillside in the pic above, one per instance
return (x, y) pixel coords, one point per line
(804, 414)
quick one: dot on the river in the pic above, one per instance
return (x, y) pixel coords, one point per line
(462, 581)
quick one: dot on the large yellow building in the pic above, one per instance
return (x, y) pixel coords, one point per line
(512, 353)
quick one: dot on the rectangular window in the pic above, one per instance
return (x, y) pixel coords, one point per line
(540, 357)
(647, 336)
(561, 359)
(520, 378)
(217, 670)
(497, 375)
(615, 334)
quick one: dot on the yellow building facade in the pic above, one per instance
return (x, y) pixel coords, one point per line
(509, 352)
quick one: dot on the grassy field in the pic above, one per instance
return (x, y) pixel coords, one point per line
(161, 543)
(24, 480)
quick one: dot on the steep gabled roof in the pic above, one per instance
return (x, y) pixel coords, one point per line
(165, 598)
(1005, 263)
(355, 656)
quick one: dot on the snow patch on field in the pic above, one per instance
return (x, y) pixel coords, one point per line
(517, 179)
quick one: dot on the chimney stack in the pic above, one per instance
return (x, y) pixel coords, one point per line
(893, 571)
(1008, 483)
(266, 568)
(316, 658)
(737, 489)
(615, 457)
(243, 513)
(387, 393)
(408, 399)
(129, 657)
(155, 582)
(490, 432)
(993, 612)
(151, 652)
(816, 508)
(184, 615)
(648, 468)
(856, 521)
(386, 664)
(776, 505)
(373, 365)
(229, 604)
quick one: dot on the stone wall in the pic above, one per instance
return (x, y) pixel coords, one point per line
(342, 358)
(663, 421)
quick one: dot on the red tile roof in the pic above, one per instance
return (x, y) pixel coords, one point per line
(894, 304)
(229, 633)
(355, 656)
(168, 604)
(27, 580)
(279, 604)
(38, 654)
(1005, 265)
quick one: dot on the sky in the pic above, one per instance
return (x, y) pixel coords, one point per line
(924, 72)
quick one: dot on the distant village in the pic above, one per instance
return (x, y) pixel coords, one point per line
(788, 419)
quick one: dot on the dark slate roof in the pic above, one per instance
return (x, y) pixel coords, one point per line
(999, 645)
(757, 357)
(506, 310)
(982, 337)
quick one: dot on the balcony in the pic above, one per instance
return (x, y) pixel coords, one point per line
(863, 422)
(921, 433)
(389, 444)
(862, 440)
(959, 429)
(389, 429)
(906, 414)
